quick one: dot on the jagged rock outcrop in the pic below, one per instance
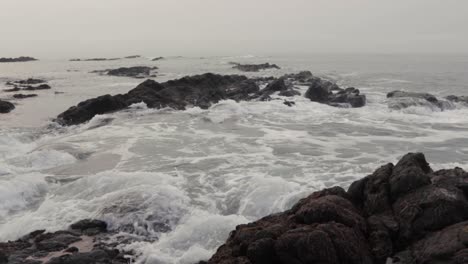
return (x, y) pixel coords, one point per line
(19, 59)
(84, 242)
(6, 107)
(254, 67)
(326, 92)
(199, 90)
(27, 85)
(403, 213)
(157, 58)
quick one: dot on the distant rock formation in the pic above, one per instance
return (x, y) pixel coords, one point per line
(133, 57)
(19, 59)
(158, 58)
(23, 96)
(326, 92)
(133, 72)
(254, 67)
(96, 59)
(6, 107)
(27, 85)
(404, 213)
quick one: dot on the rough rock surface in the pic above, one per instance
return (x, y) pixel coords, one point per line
(201, 91)
(403, 213)
(254, 67)
(19, 59)
(6, 107)
(82, 243)
(326, 92)
(402, 99)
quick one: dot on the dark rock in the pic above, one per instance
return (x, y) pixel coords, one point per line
(457, 99)
(289, 103)
(404, 213)
(93, 257)
(19, 59)
(6, 107)
(23, 96)
(301, 77)
(254, 67)
(133, 57)
(401, 99)
(90, 226)
(158, 58)
(86, 110)
(71, 250)
(96, 59)
(39, 87)
(199, 90)
(321, 91)
(27, 82)
(134, 72)
(15, 89)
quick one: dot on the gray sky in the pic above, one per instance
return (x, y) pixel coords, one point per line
(68, 28)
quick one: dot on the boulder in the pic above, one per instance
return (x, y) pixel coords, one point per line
(6, 107)
(325, 92)
(403, 213)
(254, 67)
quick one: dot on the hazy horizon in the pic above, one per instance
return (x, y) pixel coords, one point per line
(114, 28)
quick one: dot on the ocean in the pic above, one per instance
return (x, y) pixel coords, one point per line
(180, 181)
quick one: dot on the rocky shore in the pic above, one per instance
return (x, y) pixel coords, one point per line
(207, 89)
(404, 213)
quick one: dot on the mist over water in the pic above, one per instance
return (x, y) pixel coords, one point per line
(185, 179)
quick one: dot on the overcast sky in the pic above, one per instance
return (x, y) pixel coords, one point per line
(219, 27)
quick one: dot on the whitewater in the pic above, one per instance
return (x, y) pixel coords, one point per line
(178, 182)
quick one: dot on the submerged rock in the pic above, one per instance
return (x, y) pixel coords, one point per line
(326, 92)
(6, 107)
(77, 245)
(19, 59)
(158, 58)
(403, 212)
(27, 85)
(254, 67)
(133, 57)
(28, 81)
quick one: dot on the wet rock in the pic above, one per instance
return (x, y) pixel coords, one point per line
(23, 96)
(6, 107)
(326, 92)
(158, 58)
(289, 103)
(86, 110)
(93, 257)
(403, 213)
(457, 99)
(199, 90)
(28, 81)
(254, 67)
(133, 57)
(19, 59)
(90, 226)
(401, 99)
